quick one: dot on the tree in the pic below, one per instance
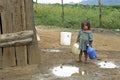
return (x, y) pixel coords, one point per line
(36, 1)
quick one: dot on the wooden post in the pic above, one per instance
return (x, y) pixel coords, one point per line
(33, 54)
(18, 16)
(16, 39)
(62, 12)
(100, 13)
(6, 17)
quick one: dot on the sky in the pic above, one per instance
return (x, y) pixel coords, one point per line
(57, 1)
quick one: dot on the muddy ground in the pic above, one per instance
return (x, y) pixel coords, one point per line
(106, 43)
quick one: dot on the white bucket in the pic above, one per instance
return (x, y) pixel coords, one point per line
(75, 48)
(65, 38)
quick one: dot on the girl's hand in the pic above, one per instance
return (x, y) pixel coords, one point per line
(90, 43)
(77, 41)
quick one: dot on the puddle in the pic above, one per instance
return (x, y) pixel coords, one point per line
(51, 50)
(106, 64)
(65, 71)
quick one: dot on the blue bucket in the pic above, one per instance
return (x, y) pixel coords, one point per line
(91, 52)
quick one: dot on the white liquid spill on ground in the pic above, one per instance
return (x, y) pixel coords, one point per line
(65, 71)
(51, 50)
(105, 64)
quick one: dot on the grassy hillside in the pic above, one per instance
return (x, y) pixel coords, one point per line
(50, 14)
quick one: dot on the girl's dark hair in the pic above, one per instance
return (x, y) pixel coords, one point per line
(85, 23)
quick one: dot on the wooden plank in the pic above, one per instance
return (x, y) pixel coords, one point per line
(21, 51)
(33, 54)
(23, 14)
(0, 48)
(8, 57)
(1, 6)
(21, 55)
(1, 64)
(8, 53)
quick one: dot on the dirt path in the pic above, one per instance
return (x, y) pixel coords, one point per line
(50, 38)
(106, 44)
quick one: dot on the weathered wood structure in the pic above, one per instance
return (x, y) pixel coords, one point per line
(17, 16)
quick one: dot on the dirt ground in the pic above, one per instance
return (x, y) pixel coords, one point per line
(106, 44)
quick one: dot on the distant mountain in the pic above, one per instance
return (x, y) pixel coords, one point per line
(72, 3)
(104, 2)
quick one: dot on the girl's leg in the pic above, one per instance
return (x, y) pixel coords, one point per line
(80, 55)
(86, 56)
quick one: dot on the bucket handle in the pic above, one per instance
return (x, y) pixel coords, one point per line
(68, 36)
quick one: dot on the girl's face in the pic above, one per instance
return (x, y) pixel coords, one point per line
(85, 27)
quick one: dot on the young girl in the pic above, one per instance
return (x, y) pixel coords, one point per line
(84, 37)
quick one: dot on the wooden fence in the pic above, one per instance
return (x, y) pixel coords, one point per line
(17, 16)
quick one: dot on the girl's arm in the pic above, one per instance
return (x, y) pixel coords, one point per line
(78, 37)
(90, 38)
(90, 43)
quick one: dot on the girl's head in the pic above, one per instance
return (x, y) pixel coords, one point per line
(85, 25)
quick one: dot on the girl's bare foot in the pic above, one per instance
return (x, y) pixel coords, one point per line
(79, 61)
(86, 62)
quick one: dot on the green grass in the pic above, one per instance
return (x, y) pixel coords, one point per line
(50, 15)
